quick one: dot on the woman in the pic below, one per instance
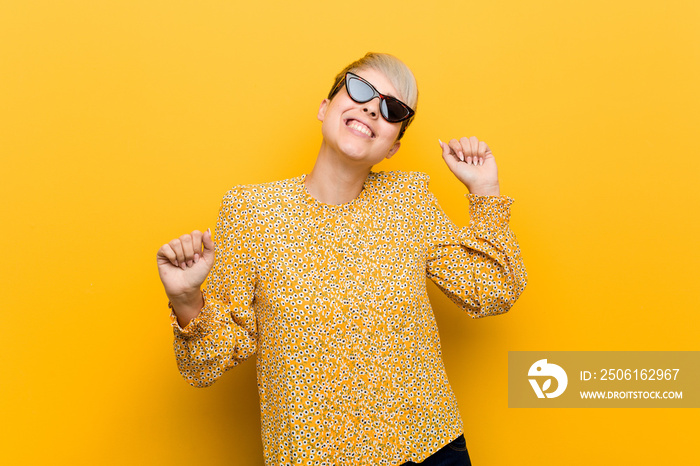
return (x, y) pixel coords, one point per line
(323, 277)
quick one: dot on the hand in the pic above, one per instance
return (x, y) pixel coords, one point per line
(184, 263)
(473, 164)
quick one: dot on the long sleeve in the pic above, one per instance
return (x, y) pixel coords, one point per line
(225, 331)
(478, 267)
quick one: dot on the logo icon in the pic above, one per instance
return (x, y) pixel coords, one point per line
(543, 369)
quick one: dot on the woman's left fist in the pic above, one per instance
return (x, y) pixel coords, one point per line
(473, 164)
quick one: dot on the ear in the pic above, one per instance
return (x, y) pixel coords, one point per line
(394, 149)
(322, 109)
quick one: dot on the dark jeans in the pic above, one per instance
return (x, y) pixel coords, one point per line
(453, 454)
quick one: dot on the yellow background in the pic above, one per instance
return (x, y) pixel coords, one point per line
(122, 124)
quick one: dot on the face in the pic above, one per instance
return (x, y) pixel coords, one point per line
(358, 131)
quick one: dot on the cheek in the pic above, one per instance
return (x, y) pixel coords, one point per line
(334, 113)
(391, 130)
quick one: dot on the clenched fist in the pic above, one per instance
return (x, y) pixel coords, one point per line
(183, 265)
(473, 164)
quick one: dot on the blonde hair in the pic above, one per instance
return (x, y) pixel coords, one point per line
(394, 69)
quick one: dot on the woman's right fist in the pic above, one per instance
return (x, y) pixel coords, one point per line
(185, 262)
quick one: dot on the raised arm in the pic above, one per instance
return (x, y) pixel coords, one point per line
(479, 267)
(223, 332)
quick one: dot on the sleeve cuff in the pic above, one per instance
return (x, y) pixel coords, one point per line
(201, 325)
(488, 211)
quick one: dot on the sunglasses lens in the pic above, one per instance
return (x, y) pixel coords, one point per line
(393, 110)
(359, 91)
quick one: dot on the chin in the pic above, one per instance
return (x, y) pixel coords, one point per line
(352, 151)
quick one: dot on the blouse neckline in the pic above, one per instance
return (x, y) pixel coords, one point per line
(350, 205)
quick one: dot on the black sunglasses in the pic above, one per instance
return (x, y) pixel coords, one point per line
(391, 108)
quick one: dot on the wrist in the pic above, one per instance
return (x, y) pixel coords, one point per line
(485, 190)
(187, 306)
(187, 300)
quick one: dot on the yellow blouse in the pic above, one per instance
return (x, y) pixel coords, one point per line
(332, 299)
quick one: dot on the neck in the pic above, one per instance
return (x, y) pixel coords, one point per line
(335, 180)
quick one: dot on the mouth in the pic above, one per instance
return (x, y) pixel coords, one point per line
(357, 125)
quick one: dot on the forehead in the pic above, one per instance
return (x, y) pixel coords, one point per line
(379, 80)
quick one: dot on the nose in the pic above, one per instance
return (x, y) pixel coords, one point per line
(371, 108)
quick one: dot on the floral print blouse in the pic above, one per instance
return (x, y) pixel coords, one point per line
(332, 301)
